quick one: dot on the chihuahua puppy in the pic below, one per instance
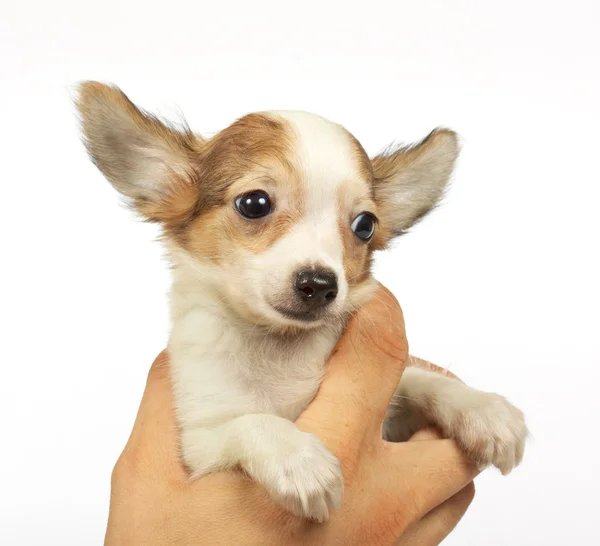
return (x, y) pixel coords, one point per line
(270, 227)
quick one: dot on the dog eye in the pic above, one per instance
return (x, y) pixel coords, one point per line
(254, 204)
(364, 226)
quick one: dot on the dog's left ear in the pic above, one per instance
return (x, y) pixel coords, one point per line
(410, 181)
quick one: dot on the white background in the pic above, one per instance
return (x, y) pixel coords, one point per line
(501, 283)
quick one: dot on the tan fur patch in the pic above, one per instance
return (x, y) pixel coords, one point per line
(357, 254)
(253, 153)
(357, 264)
(362, 158)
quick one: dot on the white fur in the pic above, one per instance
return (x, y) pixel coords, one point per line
(238, 385)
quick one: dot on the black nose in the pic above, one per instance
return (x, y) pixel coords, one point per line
(317, 287)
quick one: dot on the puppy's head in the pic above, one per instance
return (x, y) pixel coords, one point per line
(280, 212)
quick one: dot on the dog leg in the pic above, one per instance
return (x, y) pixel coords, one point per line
(485, 425)
(295, 467)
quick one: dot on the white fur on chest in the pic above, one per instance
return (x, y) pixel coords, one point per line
(224, 368)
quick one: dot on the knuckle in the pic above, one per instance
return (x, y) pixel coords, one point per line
(455, 508)
(386, 294)
(128, 466)
(383, 330)
(121, 472)
(132, 476)
(348, 454)
(160, 367)
(468, 494)
(119, 478)
(391, 342)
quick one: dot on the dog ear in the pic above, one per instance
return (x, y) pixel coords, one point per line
(410, 181)
(152, 164)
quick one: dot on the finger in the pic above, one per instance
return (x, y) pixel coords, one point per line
(432, 470)
(154, 440)
(440, 522)
(363, 372)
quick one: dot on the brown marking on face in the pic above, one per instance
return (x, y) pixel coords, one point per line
(362, 159)
(258, 237)
(221, 232)
(254, 153)
(357, 254)
(175, 208)
(245, 146)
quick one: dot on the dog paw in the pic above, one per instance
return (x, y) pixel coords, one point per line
(306, 479)
(490, 430)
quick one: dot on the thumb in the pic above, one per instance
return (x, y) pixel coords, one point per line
(362, 375)
(154, 441)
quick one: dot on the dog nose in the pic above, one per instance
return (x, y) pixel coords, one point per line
(319, 287)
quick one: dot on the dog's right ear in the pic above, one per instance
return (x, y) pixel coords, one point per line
(151, 163)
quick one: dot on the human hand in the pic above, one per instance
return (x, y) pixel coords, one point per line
(410, 494)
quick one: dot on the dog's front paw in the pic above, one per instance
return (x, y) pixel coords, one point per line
(490, 430)
(303, 476)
